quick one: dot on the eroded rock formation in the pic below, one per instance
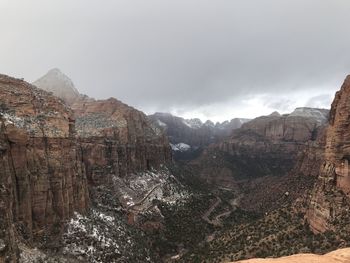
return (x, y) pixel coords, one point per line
(330, 197)
(116, 139)
(43, 180)
(51, 156)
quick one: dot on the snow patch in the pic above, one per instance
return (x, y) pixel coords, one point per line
(321, 115)
(181, 147)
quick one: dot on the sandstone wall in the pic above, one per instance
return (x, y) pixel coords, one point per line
(330, 196)
(117, 139)
(42, 177)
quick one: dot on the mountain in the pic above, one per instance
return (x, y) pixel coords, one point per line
(111, 132)
(59, 84)
(304, 211)
(63, 160)
(43, 181)
(193, 132)
(85, 180)
(266, 146)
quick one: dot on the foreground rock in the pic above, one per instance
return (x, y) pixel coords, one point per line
(338, 256)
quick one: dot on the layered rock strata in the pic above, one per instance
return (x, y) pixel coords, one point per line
(117, 139)
(266, 146)
(43, 180)
(330, 196)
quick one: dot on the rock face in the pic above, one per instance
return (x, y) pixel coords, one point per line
(338, 256)
(116, 139)
(267, 145)
(52, 158)
(330, 197)
(194, 132)
(42, 178)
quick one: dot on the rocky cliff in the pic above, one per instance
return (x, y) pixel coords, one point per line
(43, 180)
(116, 139)
(330, 197)
(59, 157)
(265, 146)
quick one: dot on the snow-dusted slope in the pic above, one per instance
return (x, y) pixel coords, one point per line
(319, 114)
(181, 147)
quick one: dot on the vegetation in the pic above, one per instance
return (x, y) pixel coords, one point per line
(277, 234)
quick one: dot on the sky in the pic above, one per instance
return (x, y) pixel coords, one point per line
(216, 59)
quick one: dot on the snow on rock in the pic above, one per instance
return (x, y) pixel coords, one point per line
(101, 237)
(193, 123)
(139, 190)
(160, 123)
(181, 147)
(321, 115)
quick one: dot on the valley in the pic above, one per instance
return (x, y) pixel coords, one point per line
(85, 180)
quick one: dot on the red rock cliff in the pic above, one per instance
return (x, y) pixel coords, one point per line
(265, 146)
(42, 177)
(116, 139)
(330, 196)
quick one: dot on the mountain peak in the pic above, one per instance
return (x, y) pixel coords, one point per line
(319, 114)
(275, 114)
(59, 84)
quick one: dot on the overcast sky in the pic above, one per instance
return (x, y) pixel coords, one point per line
(214, 59)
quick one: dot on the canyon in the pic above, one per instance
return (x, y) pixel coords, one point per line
(86, 180)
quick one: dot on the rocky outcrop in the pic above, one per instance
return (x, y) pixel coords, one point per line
(265, 146)
(330, 196)
(338, 256)
(42, 177)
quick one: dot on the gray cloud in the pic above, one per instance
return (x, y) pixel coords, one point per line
(201, 57)
(320, 101)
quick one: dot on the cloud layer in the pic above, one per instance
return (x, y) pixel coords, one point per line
(210, 59)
